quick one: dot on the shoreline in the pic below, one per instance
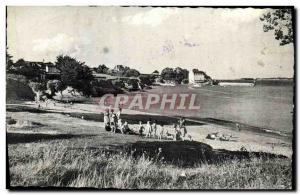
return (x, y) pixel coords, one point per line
(252, 141)
(96, 109)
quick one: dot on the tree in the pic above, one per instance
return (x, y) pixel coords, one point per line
(102, 69)
(55, 86)
(279, 21)
(75, 74)
(9, 61)
(131, 73)
(30, 70)
(38, 89)
(120, 70)
(146, 79)
(185, 81)
(168, 74)
(179, 74)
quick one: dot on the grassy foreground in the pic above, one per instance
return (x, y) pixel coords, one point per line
(57, 165)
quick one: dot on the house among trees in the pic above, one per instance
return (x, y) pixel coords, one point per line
(49, 71)
(34, 70)
(198, 77)
(174, 76)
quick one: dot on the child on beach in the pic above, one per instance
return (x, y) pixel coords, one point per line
(182, 127)
(148, 129)
(160, 131)
(141, 128)
(119, 124)
(125, 128)
(113, 122)
(176, 133)
(119, 112)
(173, 133)
(106, 121)
(154, 128)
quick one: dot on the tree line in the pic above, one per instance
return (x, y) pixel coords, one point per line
(73, 73)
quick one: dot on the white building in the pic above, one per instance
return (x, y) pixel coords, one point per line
(196, 77)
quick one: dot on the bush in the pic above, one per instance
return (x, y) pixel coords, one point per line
(185, 81)
(101, 87)
(17, 89)
(118, 83)
(146, 79)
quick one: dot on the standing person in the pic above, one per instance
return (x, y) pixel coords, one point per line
(177, 133)
(111, 113)
(182, 127)
(106, 121)
(181, 122)
(120, 124)
(113, 122)
(154, 128)
(148, 129)
(119, 112)
(160, 131)
(141, 128)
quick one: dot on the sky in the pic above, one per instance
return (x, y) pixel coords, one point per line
(225, 43)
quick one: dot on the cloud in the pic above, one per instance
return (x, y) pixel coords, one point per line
(152, 17)
(57, 44)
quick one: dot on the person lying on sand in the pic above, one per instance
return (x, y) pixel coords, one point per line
(225, 137)
(219, 136)
(212, 136)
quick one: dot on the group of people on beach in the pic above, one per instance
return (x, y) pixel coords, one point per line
(114, 123)
(155, 130)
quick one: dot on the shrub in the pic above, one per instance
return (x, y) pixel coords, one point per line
(185, 81)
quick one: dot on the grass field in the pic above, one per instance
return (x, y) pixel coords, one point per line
(59, 166)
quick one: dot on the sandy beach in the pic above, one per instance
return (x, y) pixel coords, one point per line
(250, 141)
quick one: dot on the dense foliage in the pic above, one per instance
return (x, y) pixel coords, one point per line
(279, 21)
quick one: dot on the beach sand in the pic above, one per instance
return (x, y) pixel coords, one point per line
(251, 141)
